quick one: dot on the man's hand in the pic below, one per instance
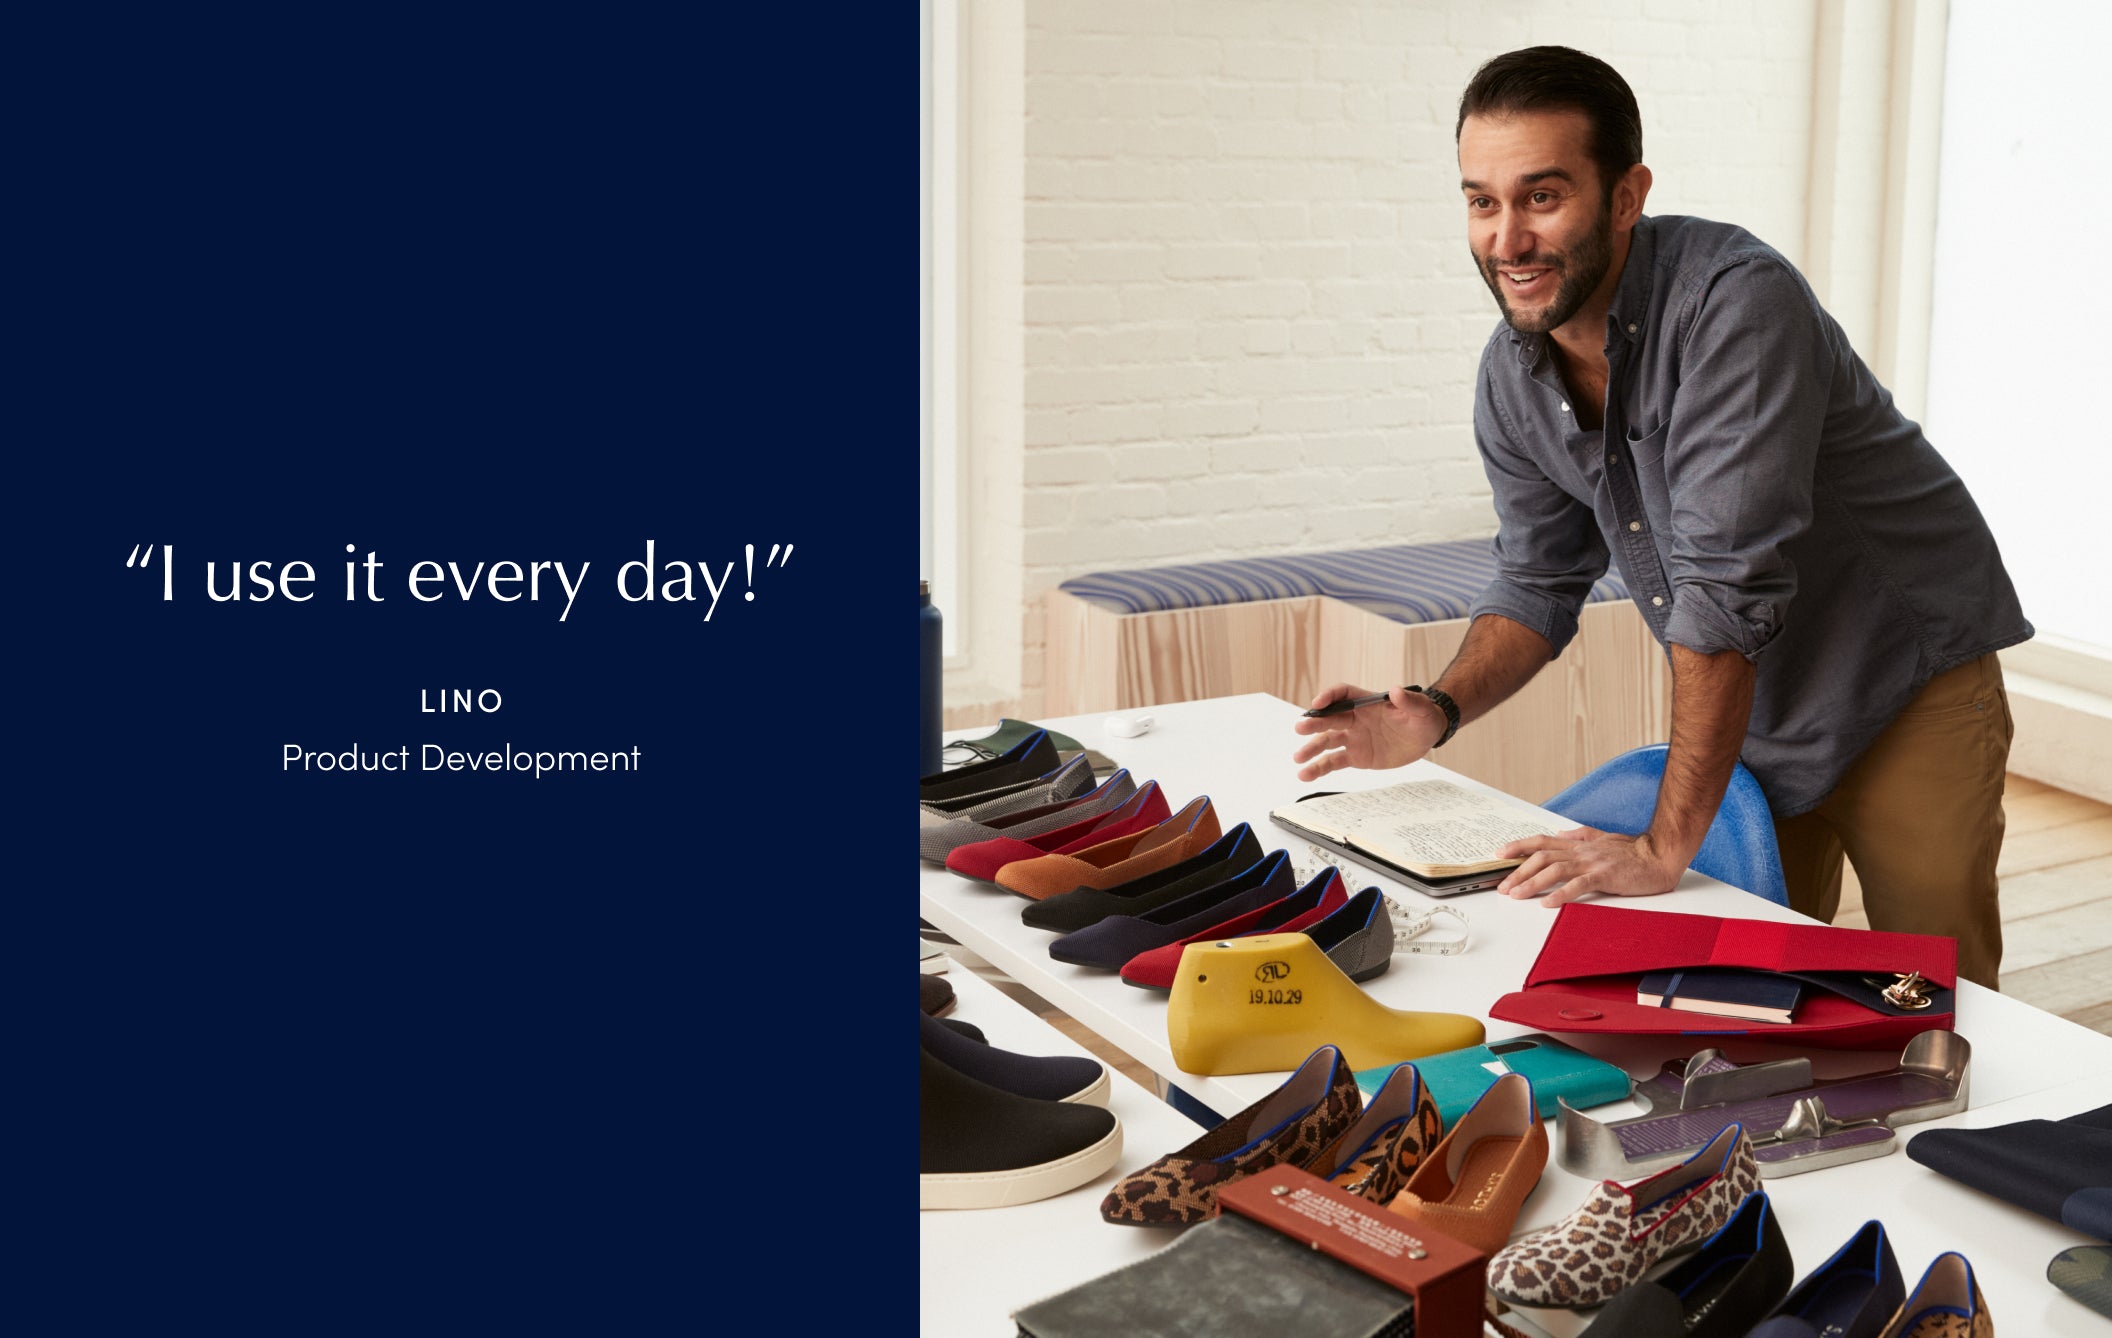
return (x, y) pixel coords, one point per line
(1387, 734)
(1567, 865)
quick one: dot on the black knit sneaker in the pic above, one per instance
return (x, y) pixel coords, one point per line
(981, 1147)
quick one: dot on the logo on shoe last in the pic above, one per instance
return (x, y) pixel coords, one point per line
(1273, 971)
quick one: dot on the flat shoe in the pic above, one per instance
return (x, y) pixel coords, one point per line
(1608, 1242)
(1117, 861)
(1742, 1271)
(932, 812)
(1946, 1304)
(1310, 1112)
(1852, 1295)
(1029, 812)
(1397, 1130)
(1112, 943)
(1009, 734)
(1473, 1183)
(1033, 756)
(1358, 937)
(1236, 850)
(1137, 815)
(1322, 896)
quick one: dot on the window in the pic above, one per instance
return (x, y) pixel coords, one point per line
(938, 319)
(2013, 346)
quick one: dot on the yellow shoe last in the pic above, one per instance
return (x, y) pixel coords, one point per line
(1263, 1004)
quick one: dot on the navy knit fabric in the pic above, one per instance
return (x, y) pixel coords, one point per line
(2059, 1169)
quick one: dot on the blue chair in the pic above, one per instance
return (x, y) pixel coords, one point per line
(1740, 848)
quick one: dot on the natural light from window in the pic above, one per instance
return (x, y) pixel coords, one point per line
(2017, 345)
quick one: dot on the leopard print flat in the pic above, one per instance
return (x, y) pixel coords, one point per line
(1946, 1304)
(1292, 1126)
(1397, 1130)
(1621, 1230)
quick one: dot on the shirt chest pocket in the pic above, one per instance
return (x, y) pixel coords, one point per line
(1647, 445)
(1646, 461)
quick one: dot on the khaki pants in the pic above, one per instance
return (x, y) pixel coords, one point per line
(1920, 817)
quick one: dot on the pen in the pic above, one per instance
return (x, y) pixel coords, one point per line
(1347, 704)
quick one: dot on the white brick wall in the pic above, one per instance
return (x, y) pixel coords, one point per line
(1251, 320)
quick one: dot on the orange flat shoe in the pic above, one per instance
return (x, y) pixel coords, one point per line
(1472, 1184)
(1186, 833)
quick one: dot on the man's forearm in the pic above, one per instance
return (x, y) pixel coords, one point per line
(1498, 657)
(1712, 702)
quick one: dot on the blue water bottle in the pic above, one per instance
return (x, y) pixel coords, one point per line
(931, 655)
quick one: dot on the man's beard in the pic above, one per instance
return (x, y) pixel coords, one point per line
(1578, 275)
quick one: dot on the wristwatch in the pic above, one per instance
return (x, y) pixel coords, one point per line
(1447, 705)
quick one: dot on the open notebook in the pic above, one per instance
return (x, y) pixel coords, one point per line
(1430, 829)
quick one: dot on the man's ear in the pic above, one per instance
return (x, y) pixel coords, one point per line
(1629, 193)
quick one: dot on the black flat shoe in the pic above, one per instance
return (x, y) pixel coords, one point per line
(1852, 1295)
(1233, 853)
(1741, 1271)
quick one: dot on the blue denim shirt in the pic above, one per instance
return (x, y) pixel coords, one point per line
(1760, 493)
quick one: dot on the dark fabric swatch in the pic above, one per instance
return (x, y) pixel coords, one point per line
(2039, 1165)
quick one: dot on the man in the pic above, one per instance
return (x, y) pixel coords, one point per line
(1667, 393)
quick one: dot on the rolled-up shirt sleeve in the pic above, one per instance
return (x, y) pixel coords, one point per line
(1548, 547)
(1740, 453)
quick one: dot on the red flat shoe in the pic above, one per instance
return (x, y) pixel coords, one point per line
(981, 860)
(1319, 898)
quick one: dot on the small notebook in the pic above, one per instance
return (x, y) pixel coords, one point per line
(1432, 828)
(1756, 996)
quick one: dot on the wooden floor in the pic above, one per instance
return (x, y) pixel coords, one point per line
(2056, 873)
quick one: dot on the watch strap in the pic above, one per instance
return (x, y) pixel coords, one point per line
(1447, 705)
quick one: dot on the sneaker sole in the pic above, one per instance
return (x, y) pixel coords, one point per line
(1095, 1095)
(1026, 1184)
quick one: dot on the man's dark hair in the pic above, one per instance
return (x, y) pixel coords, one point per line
(1556, 78)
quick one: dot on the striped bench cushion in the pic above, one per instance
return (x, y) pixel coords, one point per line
(1409, 583)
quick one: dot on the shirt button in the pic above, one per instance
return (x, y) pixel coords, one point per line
(1613, 459)
(1635, 524)
(1631, 329)
(1658, 600)
(1565, 406)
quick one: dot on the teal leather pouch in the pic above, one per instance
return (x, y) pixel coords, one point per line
(1457, 1078)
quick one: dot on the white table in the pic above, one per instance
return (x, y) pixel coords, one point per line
(1237, 750)
(978, 1266)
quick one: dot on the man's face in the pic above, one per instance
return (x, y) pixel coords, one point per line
(1538, 222)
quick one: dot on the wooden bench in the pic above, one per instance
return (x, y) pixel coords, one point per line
(1289, 626)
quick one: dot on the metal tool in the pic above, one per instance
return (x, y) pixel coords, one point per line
(1796, 1124)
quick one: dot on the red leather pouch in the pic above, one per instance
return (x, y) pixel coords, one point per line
(1585, 977)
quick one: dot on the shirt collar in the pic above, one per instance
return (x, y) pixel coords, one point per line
(1631, 297)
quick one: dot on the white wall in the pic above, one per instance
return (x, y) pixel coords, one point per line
(1249, 319)
(2017, 347)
